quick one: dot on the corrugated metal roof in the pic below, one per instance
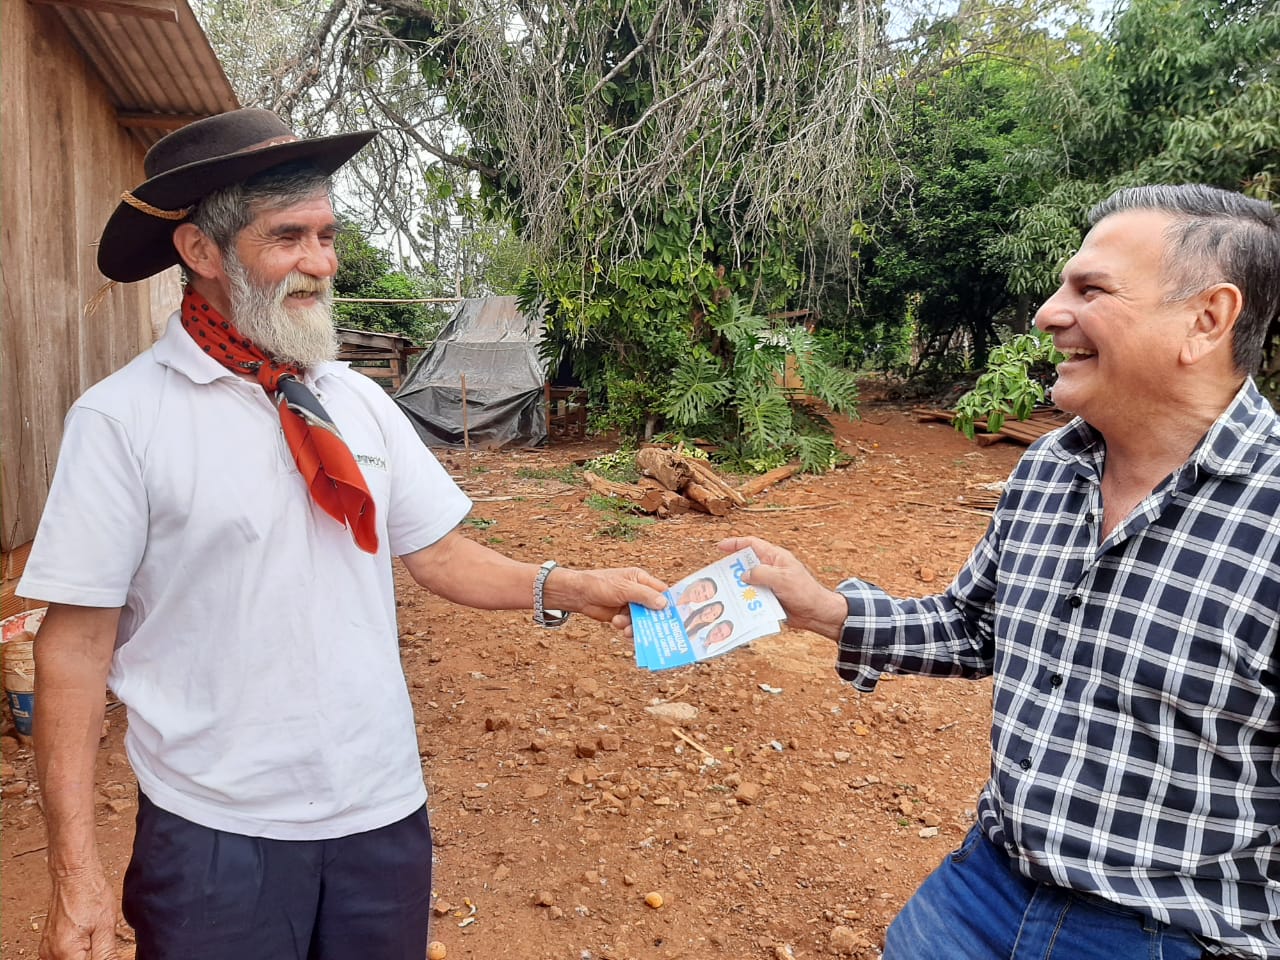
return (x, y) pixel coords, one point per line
(160, 74)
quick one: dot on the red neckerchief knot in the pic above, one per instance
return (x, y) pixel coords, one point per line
(326, 464)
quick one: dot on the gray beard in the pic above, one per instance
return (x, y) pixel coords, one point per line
(303, 336)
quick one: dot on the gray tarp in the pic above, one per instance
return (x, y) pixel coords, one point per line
(495, 348)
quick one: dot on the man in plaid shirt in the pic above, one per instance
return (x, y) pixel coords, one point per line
(1126, 600)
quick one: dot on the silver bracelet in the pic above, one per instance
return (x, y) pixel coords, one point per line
(541, 616)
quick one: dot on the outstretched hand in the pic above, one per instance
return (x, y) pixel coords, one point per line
(808, 604)
(605, 595)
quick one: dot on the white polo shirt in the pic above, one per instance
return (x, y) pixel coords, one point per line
(258, 647)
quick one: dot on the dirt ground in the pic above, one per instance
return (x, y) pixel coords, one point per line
(791, 817)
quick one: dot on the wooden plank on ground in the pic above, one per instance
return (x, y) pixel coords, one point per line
(766, 480)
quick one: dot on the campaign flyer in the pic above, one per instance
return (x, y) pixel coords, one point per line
(708, 613)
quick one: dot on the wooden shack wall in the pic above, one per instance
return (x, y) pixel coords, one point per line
(63, 165)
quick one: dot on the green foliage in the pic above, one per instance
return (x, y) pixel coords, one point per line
(1011, 386)
(366, 272)
(930, 275)
(565, 474)
(1178, 92)
(622, 521)
(649, 199)
(728, 388)
(472, 256)
(619, 466)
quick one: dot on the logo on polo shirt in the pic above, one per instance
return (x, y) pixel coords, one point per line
(365, 460)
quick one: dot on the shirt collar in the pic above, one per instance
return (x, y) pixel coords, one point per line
(1240, 436)
(1230, 447)
(175, 349)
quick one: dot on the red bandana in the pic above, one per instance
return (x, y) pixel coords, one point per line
(331, 473)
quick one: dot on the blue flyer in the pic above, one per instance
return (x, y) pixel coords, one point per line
(708, 613)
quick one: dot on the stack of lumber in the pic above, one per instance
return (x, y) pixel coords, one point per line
(1042, 420)
(672, 484)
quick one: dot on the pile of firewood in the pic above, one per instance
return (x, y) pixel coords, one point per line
(672, 484)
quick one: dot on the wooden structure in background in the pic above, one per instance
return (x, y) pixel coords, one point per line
(1042, 420)
(88, 86)
(384, 357)
(566, 412)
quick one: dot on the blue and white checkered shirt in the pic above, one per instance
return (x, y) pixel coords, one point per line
(1136, 736)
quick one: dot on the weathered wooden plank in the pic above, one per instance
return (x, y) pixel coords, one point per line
(165, 10)
(137, 119)
(18, 498)
(376, 373)
(64, 164)
(766, 480)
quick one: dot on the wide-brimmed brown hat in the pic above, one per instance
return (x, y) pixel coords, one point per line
(191, 163)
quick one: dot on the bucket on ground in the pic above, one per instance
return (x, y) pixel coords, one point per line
(17, 637)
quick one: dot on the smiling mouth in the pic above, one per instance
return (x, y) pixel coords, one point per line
(1076, 353)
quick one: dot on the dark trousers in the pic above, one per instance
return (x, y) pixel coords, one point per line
(192, 893)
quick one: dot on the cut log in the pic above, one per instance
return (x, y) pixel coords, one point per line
(673, 505)
(764, 481)
(713, 481)
(646, 500)
(668, 468)
(708, 500)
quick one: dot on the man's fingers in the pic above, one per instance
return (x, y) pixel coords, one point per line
(648, 579)
(648, 597)
(734, 544)
(765, 575)
(766, 551)
(637, 586)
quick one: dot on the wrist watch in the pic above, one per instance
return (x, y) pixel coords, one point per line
(541, 616)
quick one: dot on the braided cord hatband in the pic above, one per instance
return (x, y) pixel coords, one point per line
(148, 209)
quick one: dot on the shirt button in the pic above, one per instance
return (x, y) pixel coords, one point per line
(1075, 600)
(1025, 763)
(1055, 680)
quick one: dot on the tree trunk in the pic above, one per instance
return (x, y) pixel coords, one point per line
(708, 501)
(673, 505)
(713, 481)
(647, 500)
(669, 469)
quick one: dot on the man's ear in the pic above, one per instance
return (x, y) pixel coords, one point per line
(198, 251)
(1216, 309)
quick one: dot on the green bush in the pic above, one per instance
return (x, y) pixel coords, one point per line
(1013, 383)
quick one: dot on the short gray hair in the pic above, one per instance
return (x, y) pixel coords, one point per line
(221, 215)
(1216, 235)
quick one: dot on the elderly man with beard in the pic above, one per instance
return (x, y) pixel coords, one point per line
(217, 546)
(1126, 600)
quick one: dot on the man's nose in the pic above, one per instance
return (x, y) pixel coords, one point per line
(1053, 313)
(318, 259)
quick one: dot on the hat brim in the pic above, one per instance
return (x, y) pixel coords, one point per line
(137, 245)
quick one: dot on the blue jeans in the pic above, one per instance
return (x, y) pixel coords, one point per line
(975, 907)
